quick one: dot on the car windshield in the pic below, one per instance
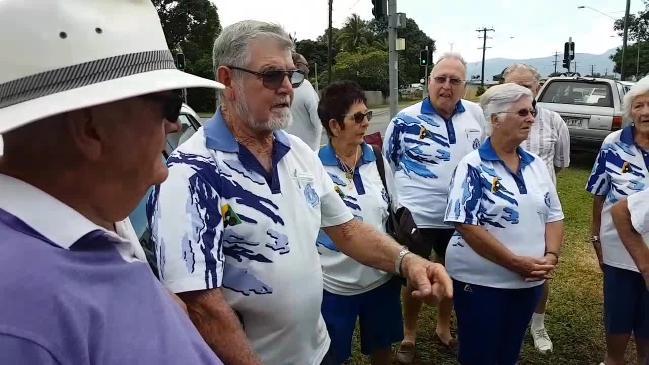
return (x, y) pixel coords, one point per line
(578, 93)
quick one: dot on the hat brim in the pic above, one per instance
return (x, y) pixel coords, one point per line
(17, 115)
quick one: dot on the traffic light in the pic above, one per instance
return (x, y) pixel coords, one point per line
(572, 50)
(423, 58)
(180, 61)
(379, 8)
(566, 64)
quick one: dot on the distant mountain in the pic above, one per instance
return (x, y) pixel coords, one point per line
(545, 65)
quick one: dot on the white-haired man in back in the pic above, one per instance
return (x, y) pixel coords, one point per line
(423, 144)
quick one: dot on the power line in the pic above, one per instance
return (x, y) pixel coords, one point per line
(484, 49)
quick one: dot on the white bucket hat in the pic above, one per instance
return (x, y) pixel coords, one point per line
(62, 55)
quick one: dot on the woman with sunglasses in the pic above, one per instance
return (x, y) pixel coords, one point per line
(509, 230)
(353, 291)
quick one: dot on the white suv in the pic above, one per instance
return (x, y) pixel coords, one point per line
(591, 107)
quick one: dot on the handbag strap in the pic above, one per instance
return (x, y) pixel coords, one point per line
(379, 166)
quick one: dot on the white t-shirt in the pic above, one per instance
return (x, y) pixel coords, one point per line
(220, 221)
(619, 171)
(368, 201)
(423, 150)
(513, 207)
(306, 123)
(549, 139)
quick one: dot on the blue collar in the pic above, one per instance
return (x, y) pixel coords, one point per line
(428, 108)
(628, 135)
(219, 138)
(487, 153)
(328, 155)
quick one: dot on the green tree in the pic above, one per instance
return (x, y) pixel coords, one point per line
(353, 34)
(631, 57)
(192, 26)
(314, 52)
(368, 67)
(638, 25)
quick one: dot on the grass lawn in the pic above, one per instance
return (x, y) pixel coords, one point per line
(574, 314)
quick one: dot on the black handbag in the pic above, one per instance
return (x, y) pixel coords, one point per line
(392, 223)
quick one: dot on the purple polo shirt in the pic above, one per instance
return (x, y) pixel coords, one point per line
(74, 293)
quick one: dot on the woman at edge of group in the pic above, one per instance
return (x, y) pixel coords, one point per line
(622, 169)
(351, 290)
(509, 231)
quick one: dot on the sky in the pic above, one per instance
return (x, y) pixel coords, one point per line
(523, 28)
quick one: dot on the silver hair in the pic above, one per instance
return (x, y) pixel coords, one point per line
(640, 88)
(522, 67)
(500, 98)
(452, 56)
(231, 47)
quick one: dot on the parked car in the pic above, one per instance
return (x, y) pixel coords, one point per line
(189, 124)
(591, 107)
(627, 85)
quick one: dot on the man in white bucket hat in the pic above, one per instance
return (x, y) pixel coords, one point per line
(236, 223)
(85, 104)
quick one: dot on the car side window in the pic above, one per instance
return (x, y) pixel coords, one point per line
(186, 130)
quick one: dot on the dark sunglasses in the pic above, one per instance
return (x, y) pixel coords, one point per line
(273, 79)
(524, 113)
(171, 104)
(359, 116)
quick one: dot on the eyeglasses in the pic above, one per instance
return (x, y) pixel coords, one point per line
(273, 79)
(359, 116)
(453, 80)
(523, 113)
(172, 103)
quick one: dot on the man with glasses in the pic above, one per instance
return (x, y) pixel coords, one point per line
(306, 124)
(424, 144)
(235, 225)
(84, 117)
(549, 139)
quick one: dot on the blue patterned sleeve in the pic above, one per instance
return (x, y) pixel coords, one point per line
(599, 182)
(465, 195)
(392, 145)
(186, 227)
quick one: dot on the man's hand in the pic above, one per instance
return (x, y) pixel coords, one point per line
(532, 269)
(430, 281)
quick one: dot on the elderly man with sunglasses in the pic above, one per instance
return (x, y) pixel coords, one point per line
(424, 144)
(235, 225)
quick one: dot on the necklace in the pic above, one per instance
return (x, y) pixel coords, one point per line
(348, 170)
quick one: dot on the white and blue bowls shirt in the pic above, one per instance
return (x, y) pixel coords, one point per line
(423, 149)
(368, 201)
(514, 207)
(619, 171)
(221, 221)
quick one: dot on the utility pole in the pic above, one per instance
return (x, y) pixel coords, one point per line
(425, 86)
(556, 56)
(624, 39)
(575, 62)
(637, 62)
(393, 60)
(316, 77)
(484, 49)
(329, 40)
(592, 70)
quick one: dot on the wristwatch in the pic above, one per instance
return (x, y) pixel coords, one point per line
(399, 261)
(594, 239)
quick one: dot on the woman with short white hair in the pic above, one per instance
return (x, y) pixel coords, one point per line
(509, 230)
(622, 169)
